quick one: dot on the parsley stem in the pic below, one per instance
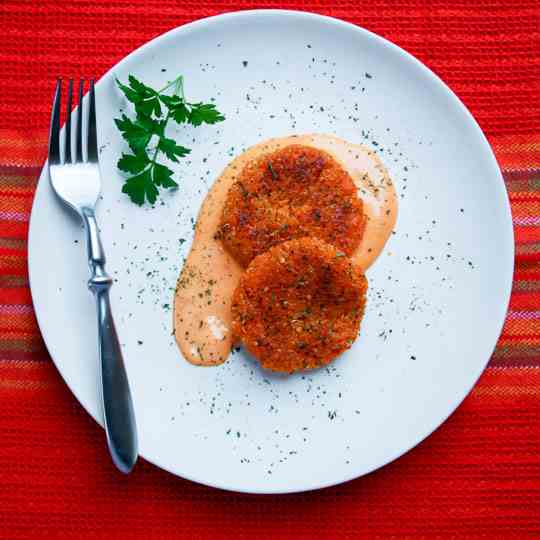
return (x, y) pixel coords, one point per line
(169, 84)
(156, 151)
(178, 89)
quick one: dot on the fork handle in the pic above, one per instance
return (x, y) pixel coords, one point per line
(118, 412)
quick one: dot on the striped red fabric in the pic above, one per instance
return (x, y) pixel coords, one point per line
(477, 476)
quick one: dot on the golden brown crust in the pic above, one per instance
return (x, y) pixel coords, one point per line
(299, 305)
(290, 193)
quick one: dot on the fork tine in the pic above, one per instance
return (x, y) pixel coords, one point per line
(78, 134)
(54, 132)
(92, 149)
(68, 122)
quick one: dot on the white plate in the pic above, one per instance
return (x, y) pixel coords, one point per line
(438, 294)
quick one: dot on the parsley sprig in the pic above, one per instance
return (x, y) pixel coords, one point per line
(145, 135)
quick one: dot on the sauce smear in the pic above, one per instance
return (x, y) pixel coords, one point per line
(203, 297)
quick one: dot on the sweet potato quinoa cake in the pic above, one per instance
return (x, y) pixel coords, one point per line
(290, 193)
(299, 305)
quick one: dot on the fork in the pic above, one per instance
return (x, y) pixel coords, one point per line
(77, 183)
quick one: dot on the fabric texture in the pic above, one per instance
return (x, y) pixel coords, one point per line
(476, 476)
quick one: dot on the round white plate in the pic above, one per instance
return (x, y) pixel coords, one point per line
(438, 294)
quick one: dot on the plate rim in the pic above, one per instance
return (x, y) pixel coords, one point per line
(406, 56)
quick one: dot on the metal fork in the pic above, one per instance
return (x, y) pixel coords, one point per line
(77, 183)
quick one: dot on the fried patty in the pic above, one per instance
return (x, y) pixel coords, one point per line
(299, 305)
(290, 193)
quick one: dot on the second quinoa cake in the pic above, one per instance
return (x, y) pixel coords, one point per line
(299, 305)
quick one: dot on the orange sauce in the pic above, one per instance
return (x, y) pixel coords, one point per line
(202, 303)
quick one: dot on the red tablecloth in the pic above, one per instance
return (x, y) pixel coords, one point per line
(478, 475)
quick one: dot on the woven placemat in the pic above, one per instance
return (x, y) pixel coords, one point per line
(478, 475)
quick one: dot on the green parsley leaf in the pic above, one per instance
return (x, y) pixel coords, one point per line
(145, 99)
(204, 113)
(131, 163)
(129, 92)
(146, 122)
(135, 133)
(171, 149)
(141, 89)
(162, 176)
(180, 113)
(171, 101)
(148, 107)
(140, 187)
(177, 108)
